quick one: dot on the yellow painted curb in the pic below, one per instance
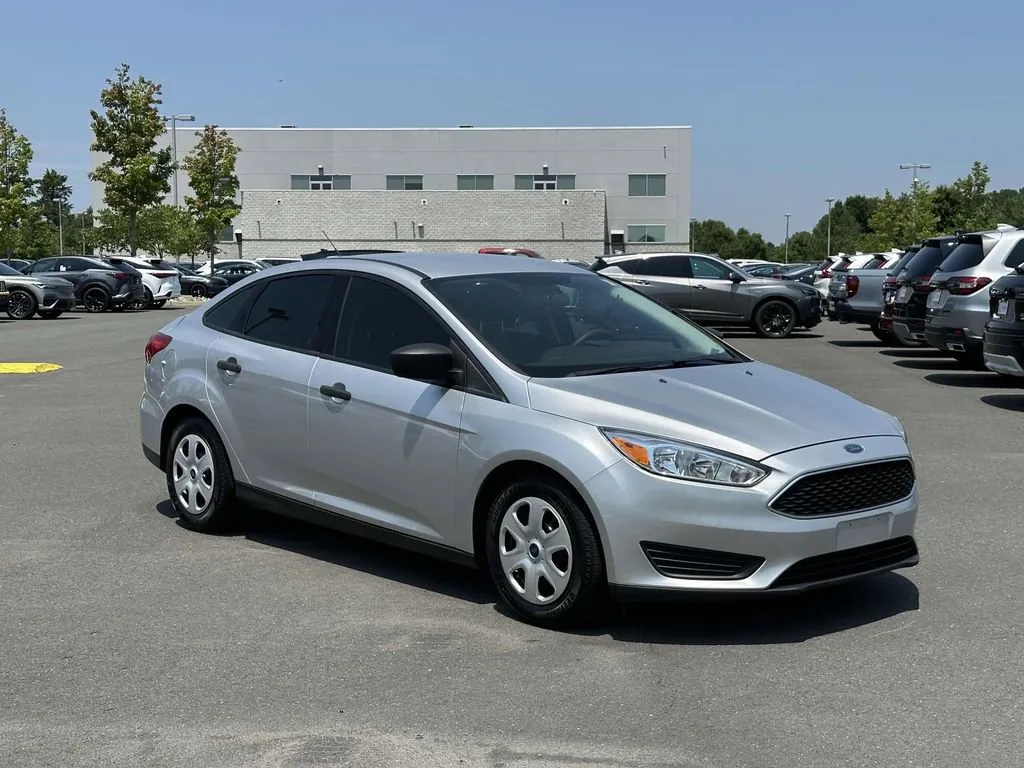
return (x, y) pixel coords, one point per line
(29, 367)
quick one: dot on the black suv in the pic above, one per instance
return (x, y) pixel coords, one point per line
(98, 285)
(1004, 333)
(913, 284)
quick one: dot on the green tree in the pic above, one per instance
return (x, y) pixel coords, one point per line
(15, 184)
(1007, 206)
(214, 183)
(745, 245)
(135, 174)
(904, 220)
(711, 236)
(53, 196)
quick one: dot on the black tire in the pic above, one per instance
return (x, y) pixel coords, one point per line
(146, 302)
(218, 513)
(50, 314)
(96, 299)
(21, 305)
(199, 291)
(586, 587)
(158, 304)
(886, 337)
(775, 319)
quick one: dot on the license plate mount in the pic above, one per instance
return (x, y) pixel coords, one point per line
(903, 293)
(1002, 309)
(863, 531)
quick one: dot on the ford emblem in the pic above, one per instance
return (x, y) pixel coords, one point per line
(853, 448)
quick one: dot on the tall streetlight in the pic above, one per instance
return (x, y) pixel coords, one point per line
(787, 237)
(174, 120)
(692, 222)
(828, 246)
(914, 168)
(60, 226)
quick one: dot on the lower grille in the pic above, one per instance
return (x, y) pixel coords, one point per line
(693, 563)
(847, 563)
(849, 489)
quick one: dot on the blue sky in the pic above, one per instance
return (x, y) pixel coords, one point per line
(790, 101)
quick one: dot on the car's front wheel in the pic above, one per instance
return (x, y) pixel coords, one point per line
(775, 319)
(199, 478)
(543, 554)
(199, 291)
(22, 305)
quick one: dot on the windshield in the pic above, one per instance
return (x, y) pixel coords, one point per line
(10, 271)
(568, 324)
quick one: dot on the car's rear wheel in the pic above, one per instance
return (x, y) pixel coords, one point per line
(145, 302)
(886, 337)
(199, 291)
(775, 319)
(199, 478)
(21, 305)
(543, 554)
(95, 299)
(158, 304)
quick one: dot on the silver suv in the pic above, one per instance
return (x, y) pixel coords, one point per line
(958, 304)
(555, 427)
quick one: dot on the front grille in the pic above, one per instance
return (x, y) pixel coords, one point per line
(846, 563)
(693, 563)
(849, 489)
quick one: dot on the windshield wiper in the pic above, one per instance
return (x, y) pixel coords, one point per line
(691, 362)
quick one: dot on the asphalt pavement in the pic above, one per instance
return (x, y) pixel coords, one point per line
(127, 640)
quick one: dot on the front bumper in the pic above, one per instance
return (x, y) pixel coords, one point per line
(810, 312)
(57, 301)
(1004, 351)
(636, 508)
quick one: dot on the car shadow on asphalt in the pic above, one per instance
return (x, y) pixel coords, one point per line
(967, 380)
(855, 343)
(930, 364)
(914, 352)
(1005, 402)
(765, 619)
(734, 334)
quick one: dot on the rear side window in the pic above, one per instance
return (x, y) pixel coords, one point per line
(667, 266)
(229, 315)
(966, 255)
(288, 312)
(631, 266)
(1016, 256)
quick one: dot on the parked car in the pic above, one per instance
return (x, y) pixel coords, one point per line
(49, 296)
(1003, 347)
(715, 293)
(232, 273)
(913, 286)
(205, 269)
(4, 296)
(277, 262)
(857, 294)
(958, 304)
(889, 287)
(98, 285)
(160, 285)
(552, 426)
(194, 284)
(766, 270)
(18, 264)
(512, 252)
(802, 274)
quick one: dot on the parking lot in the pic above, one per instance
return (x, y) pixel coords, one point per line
(128, 640)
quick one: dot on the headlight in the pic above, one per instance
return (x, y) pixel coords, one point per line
(671, 458)
(901, 429)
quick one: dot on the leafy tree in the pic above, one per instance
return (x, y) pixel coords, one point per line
(169, 231)
(214, 183)
(711, 236)
(54, 196)
(15, 184)
(1007, 206)
(745, 245)
(860, 208)
(135, 174)
(901, 221)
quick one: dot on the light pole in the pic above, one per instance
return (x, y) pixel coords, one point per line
(174, 119)
(693, 222)
(914, 168)
(787, 237)
(60, 226)
(828, 246)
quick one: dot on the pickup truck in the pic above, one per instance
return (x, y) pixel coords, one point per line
(858, 295)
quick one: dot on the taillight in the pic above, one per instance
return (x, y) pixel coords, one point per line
(826, 272)
(890, 281)
(122, 275)
(157, 343)
(963, 286)
(852, 285)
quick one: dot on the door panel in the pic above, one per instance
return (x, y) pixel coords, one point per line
(714, 296)
(261, 411)
(388, 454)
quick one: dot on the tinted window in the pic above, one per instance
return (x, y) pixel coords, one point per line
(229, 314)
(926, 260)
(632, 266)
(667, 266)
(43, 265)
(903, 261)
(564, 324)
(705, 269)
(288, 311)
(5, 270)
(1016, 256)
(966, 255)
(377, 319)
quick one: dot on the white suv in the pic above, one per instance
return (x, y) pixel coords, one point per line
(160, 284)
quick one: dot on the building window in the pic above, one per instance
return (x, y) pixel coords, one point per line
(647, 185)
(404, 182)
(550, 181)
(321, 183)
(227, 234)
(645, 233)
(470, 183)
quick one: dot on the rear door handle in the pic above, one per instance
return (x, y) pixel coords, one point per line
(336, 391)
(230, 365)
(700, 287)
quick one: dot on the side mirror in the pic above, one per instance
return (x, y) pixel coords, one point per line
(736, 277)
(423, 362)
(1019, 268)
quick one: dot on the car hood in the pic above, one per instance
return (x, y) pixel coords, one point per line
(49, 282)
(750, 409)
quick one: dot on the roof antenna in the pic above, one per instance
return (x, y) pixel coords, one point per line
(330, 241)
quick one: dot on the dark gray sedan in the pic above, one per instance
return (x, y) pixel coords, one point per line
(715, 293)
(29, 294)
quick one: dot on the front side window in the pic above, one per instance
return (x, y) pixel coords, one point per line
(573, 324)
(377, 319)
(647, 185)
(43, 265)
(705, 269)
(398, 183)
(288, 311)
(645, 233)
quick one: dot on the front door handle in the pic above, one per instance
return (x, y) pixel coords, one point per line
(700, 287)
(336, 391)
(230, 365)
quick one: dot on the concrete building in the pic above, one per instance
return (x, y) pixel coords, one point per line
(565, 192)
